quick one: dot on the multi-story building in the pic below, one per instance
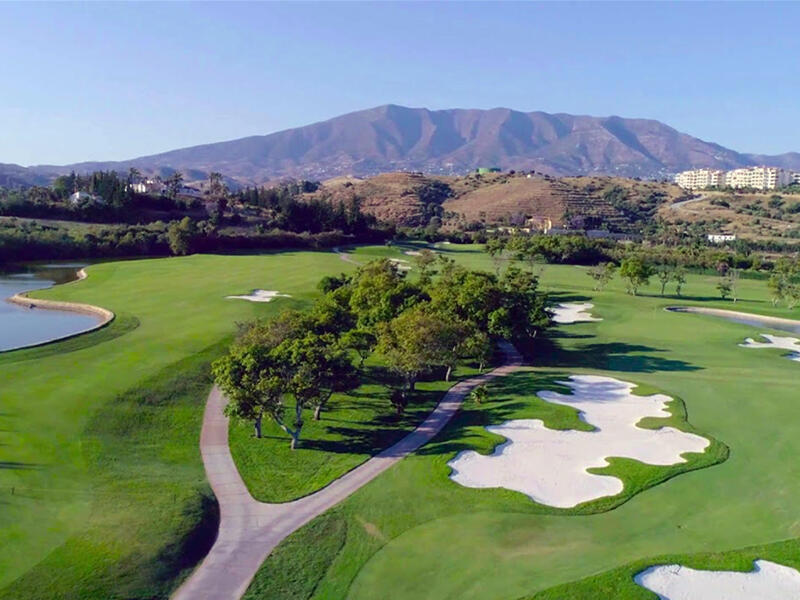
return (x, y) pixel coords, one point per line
(760, 178)
(698, 179)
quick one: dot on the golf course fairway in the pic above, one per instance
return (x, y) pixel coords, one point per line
(103, 493)
(414, 532)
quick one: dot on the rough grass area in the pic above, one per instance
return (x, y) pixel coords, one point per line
(151, 515)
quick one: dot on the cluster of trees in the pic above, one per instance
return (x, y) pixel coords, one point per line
(558, 249)
(22, 240)
(297, 361)
(116, 200)
(289, 211)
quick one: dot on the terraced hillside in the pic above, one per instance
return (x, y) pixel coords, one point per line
(583, 202)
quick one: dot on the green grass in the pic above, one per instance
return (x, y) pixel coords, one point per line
(412, 533)
(98, 440)
(101, 482)
(353, 427)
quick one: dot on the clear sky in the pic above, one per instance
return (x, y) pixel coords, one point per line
(96, 81)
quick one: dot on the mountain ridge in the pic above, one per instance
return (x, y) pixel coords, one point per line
(448, 141)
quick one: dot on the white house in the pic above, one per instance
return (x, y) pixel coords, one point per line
(721, 238)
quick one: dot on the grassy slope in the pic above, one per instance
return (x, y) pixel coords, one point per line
(99, 443)
(455, 542)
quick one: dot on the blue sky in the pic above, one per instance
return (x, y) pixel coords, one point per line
(96, 81)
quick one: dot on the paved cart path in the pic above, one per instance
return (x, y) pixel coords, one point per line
(249, 529)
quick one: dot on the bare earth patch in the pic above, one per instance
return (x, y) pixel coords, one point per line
(552, 467)
(767, 581)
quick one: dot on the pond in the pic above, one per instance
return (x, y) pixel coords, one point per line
(23, 326)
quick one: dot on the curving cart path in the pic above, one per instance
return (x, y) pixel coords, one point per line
(249, 529)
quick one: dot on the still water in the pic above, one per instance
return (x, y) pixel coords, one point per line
(22, 326)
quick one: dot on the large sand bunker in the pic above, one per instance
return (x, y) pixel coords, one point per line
(572, 312)
(259, 296)
(550, 466)
(767, 581)
(776, 341)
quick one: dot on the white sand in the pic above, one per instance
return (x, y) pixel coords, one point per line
(775, 341)
(260, 296)
(402, 265)
(550, 466)
(767, 581)
(413, 252)
(572, 312)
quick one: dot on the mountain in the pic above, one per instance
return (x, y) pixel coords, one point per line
(396, 138)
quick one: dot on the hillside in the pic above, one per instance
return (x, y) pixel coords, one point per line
(413, 198)
(752, 216)
(455, 141)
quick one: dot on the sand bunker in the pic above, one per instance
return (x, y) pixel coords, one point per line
(572, 312)
(402, 265)
(413, 253)
(775, 341)
(551, 466)
(767, 581)
(260, 296)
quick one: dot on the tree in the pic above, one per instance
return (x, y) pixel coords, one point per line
(665, 274)
(380, 292)
(414, 342)
(424, 262)
(249, 384)
(174, 184)
(602, 274)
(679, 277)
(724, 288)
(733, 282)
(216, 185)
(636, 272)
(361, 341)
(522, 313)
(496, 249)
(782, 284)
(777, 288)
(181, 235)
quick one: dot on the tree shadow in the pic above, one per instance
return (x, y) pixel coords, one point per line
(568, 297)
(611, 356)
(19, 466)
(381, 432)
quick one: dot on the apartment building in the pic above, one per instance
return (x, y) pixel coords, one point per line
(698, 179)
(760, 178)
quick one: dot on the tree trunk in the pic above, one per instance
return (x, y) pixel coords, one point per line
(447, 374)
(298, 424)
(317, 411)
(257, 426)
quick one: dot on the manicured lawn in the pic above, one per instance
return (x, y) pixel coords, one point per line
(412, 533)
(99, 434)
(352, 428)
